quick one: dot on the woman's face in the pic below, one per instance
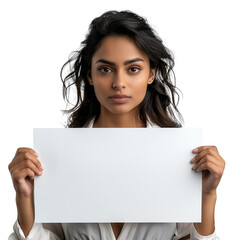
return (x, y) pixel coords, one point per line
(120, 73)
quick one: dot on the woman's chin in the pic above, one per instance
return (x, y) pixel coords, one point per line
(121, 110)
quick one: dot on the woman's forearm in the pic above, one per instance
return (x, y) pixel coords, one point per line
(207, 226)
(25, 207)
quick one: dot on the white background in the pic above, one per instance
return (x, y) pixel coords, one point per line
(37, 37)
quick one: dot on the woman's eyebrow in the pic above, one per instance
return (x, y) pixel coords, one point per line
(133, 60)
(125, 63)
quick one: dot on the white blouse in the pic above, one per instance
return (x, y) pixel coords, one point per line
(103, 231)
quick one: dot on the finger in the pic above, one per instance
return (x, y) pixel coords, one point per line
(23, 173)
(206, 158)
(20, 153)
(24, 149)
(217, 160)
(25, 156)
(216, 171)
(206, 151)
(26, 164)
(201, 148)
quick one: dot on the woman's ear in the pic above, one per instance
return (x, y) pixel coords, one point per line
(89, 77)
(151, 75)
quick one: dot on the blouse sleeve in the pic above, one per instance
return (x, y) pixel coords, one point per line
(184, 229)
(39, 231)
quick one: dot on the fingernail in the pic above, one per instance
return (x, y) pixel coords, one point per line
(192, 160)
(195, 150)
(36, 154)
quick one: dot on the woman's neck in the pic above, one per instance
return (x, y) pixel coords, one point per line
(110, 120)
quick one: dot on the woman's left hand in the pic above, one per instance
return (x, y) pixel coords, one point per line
(212, 166)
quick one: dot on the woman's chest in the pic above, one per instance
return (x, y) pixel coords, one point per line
(128, 231)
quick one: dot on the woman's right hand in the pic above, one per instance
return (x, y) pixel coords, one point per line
(24, 166)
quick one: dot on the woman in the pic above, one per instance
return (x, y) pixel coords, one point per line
(123, 79)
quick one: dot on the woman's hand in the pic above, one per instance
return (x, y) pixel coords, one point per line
(212, 166)
(23, 168)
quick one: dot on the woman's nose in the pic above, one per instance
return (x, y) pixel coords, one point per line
(119, 80)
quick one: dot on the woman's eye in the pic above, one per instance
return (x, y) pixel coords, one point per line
(134, 69)
(104, 70)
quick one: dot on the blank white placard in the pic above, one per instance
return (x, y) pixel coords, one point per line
(117, 175)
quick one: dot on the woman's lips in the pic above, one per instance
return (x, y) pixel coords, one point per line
(117, 98)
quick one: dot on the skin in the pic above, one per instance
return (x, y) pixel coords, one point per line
(118, 76)
(24, 166)
(120, 67)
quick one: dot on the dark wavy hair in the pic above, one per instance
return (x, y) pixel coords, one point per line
(159, 105)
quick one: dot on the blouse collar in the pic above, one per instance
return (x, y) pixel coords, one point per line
(149, 124)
